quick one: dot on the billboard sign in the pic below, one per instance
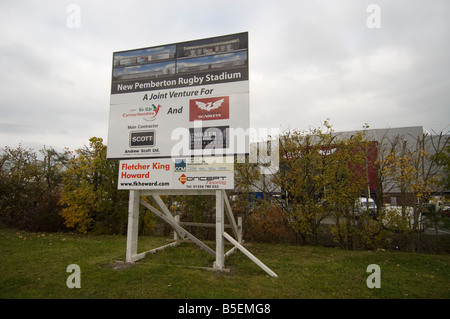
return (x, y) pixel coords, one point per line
(179, 99)
(180, 173)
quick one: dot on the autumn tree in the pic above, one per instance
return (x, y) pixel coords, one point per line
(20, 184)
(304, 178)
(252, 198)
(320, 175)
(90, 198)
(29, 188)
(315, 177)
(414, 169)
(443, 158)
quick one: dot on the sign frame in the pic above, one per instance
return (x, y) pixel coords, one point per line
(175, 74)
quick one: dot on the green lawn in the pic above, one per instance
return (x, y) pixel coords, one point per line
(33, 265)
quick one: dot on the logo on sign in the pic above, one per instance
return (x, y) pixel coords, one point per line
(142, 138)
(217, 108)
(180, 165)
(148, 113)
(209, 137)
(203, 179)
(182, 179)
(152, 111)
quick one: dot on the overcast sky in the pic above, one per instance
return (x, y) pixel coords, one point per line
(308, 61)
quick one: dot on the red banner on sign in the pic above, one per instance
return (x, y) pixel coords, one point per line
(214, 108)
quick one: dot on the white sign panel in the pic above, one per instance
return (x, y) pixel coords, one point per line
(180, 100)
(180, 173)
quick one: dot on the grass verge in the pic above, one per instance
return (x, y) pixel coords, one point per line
(33, 265)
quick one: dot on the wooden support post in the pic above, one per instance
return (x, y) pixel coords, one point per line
(178, 228)
(133, 224)
(220, 253)
(232, 250)
(230, 215)
(239, 237)
(152, 251)
(222, 205)
(175, 234)
(250, 255)
(167, 212)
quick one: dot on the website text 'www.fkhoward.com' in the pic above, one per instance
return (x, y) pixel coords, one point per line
(139, 183)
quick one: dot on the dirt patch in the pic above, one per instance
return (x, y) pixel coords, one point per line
(119, 265)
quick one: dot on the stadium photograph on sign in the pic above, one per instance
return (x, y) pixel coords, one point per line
(216, 59)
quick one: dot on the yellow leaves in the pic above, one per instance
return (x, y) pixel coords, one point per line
(405, 167)
(88, 192)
